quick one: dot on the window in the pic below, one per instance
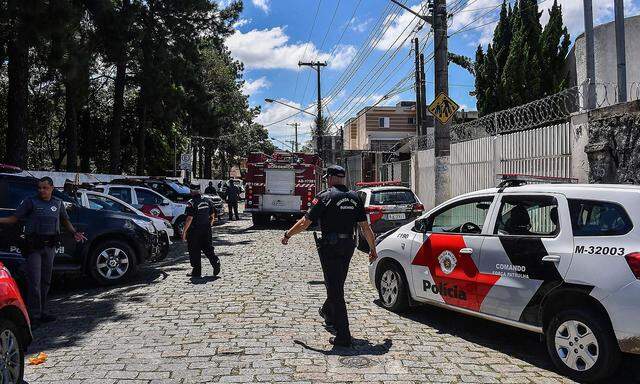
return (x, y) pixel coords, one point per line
(99, 203)
(411, 121)
(397, 197)
(146, 197)
(462, 217)
(354, 132)
(598, 218)
(383, 122)
(12, 194)
(528, 216)
(121, 193)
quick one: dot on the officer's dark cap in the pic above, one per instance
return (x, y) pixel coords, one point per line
(335, 170)
(194, 187)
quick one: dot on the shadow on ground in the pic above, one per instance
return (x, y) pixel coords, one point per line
(523, 345)
(360, 347)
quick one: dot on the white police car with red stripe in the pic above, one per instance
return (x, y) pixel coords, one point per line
(558, 259)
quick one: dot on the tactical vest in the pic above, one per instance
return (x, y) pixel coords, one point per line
(44, 219)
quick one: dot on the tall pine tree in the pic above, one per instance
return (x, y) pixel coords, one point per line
(555, 43)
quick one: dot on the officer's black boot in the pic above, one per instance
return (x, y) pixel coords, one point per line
(215, 263)
(195, 272)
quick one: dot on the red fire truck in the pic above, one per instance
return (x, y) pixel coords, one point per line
(281, 185)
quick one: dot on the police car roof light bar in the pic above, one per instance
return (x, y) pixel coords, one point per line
(367, 184)
(518, 179)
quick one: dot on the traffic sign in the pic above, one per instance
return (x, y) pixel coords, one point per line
(185, 161)
(443, 107)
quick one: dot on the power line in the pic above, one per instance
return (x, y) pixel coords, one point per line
(313, 25)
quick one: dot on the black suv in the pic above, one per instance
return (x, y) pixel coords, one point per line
(117, 242)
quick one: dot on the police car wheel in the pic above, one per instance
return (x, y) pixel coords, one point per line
(11, 352)
(392, 288)
(112, 262)
(582, 345)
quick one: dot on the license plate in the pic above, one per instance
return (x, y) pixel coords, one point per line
(395, 216)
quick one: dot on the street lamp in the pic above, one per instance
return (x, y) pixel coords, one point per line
(290, 106)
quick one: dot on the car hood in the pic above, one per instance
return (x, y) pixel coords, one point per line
(112, 215)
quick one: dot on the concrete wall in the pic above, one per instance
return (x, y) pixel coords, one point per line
(605, 59)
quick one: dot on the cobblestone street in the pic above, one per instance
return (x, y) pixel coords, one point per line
(258, 322)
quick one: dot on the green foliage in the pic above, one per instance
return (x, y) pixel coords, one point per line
(177, 80)
(524, 62)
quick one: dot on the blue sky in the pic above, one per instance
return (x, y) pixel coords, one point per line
(273, 35)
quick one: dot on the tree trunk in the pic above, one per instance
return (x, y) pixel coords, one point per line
(207, 162)
(71, 122)
(17, 96)
(142, 137)
(87, 148)
(194, 161)
(115, 166)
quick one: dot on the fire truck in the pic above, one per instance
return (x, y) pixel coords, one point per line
(281, 185)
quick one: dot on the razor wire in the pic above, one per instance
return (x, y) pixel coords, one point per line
(548, 110)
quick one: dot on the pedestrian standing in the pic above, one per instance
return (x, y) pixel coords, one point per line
(233, 195)
(210, 190)
(43, 213)
(338, 210)
(197, 232)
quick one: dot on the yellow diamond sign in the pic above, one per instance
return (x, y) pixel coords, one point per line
(443, 108)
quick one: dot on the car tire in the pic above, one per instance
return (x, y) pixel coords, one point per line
(260, 219)
(392, 288)
(361, 242)
(112, 262)
(588, 333)
(15, 348)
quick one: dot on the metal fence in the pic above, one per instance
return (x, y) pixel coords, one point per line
(354, 170)
(399, 170)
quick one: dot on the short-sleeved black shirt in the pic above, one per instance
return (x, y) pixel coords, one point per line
(201, 210)
(338, 210)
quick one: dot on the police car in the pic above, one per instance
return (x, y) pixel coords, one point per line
(559, 259)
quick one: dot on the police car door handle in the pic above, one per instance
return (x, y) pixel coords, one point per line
(466, 251)
(552, 258)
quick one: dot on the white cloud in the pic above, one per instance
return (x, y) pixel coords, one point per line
(273, 112)
(400, 26)
(262, 4)
(250, 87)
(359, 25)
(270, 49)
(241, 23)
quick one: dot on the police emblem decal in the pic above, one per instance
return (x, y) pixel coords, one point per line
(447, 261)
(53, 209)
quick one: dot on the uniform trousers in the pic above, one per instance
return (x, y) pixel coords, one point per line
(199, 242)
(335, 259)
(39, 271)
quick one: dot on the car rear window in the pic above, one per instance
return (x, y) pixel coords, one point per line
(598, 218)
(396, 197)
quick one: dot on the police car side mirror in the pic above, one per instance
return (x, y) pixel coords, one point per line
(421, 225)
(165, 202)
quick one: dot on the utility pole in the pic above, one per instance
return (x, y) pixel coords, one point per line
(590, 55)
(419, 97)
(423, 95)
(295, 130)
(441, 65)
(319, 123)
(620, 51)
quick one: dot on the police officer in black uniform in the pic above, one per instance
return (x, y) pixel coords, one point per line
(338, 210)
(43, 214)
(197, 232)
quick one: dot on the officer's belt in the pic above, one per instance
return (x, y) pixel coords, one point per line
(334, 235)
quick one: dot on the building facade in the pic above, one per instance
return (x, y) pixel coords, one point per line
(381, 128)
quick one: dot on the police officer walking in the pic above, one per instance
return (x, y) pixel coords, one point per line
(197, 232)
(233, 195)
(338, 210)
(43, 214)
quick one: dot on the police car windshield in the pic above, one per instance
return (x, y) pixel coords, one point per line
(392, 197)
(181, 189)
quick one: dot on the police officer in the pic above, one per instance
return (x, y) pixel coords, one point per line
(338, 210)
(210, 190)
(43, 214)
(197, 232)
(233, 195)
